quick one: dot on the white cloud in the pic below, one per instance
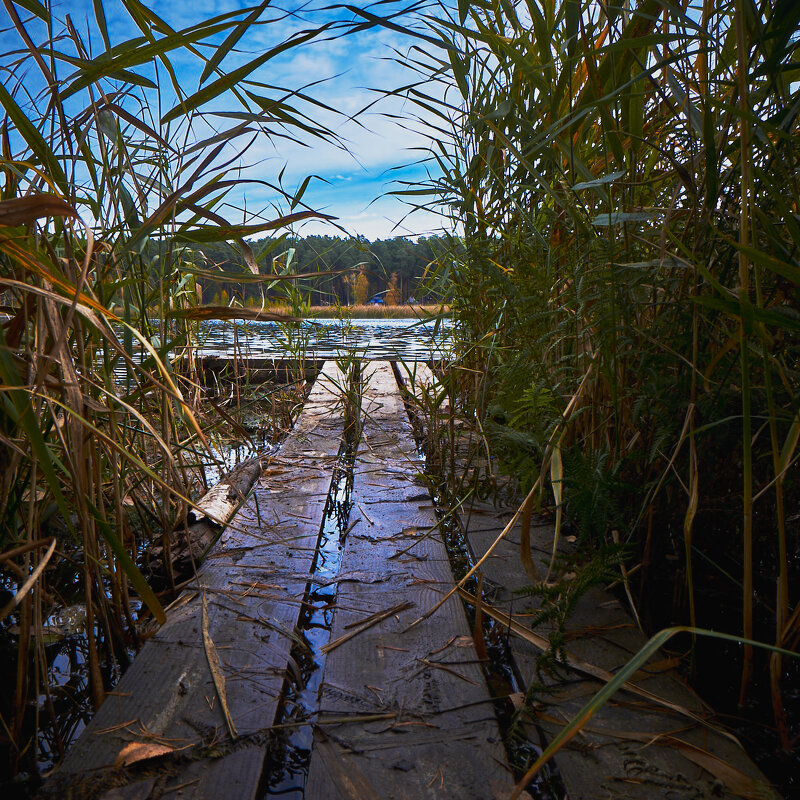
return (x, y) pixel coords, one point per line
(382, 138)
(383, 219)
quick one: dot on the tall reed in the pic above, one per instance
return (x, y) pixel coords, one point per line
(110, 164)
(623, 182)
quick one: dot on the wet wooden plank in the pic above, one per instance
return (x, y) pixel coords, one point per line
(632, 748)
(441, 739)
(252, 586)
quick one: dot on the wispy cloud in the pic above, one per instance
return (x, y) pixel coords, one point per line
(348, 74)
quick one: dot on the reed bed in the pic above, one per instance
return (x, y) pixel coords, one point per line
(378, 311)
(358, 311)
(623, 179)
(110, 165)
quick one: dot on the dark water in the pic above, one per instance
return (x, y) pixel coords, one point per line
(370, 339)
(289, 754)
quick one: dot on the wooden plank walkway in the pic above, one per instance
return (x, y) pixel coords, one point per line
(433, 732)
(633, 748)
(251, 588)
(442, 739)
(403, 712)
(256, 370)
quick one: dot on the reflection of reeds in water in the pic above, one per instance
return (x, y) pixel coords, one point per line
(626, 185)
(96, 442)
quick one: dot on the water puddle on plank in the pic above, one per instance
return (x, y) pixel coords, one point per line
(290, 747)
(290, 744)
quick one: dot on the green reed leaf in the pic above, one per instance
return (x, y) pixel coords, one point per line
(226, 82)
(231, 40)
(33, 139)
(647, 651)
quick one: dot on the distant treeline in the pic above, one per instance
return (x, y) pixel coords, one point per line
(396, 268)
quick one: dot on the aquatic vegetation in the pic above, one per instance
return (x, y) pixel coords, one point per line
(400, 311)
(110, 167)
(622, 184)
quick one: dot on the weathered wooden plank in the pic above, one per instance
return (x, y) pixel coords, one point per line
(205, 521)
(631, 749)
(252, 586)
(443, 741)
(257, 370)
(220, 502)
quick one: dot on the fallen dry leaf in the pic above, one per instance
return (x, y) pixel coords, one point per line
(346, 779)
(734, 779)
(216, 671)
(140, 751)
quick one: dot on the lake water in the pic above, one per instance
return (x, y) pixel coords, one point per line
(370, 339)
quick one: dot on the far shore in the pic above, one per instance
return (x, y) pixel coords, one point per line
(372, 311)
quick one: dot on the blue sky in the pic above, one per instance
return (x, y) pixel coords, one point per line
(354, 182)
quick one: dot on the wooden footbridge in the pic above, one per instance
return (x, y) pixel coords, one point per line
(403, 710)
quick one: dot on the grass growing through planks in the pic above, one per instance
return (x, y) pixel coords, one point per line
(623, 180)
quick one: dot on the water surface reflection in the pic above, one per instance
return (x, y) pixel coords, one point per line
(371, 339)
